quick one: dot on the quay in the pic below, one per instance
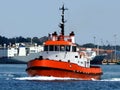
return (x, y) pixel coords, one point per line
(110, 61)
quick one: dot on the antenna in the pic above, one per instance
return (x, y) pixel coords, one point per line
(62, 20)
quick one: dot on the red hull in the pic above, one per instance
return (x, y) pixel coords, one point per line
(62, 69)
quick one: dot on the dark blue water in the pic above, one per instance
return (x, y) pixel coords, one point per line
(14, 77)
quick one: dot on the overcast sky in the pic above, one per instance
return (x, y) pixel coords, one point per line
(87, 18)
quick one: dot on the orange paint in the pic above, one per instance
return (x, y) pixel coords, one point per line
(55, 68)
(57, 43)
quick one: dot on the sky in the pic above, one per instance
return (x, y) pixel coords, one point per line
(93, 21)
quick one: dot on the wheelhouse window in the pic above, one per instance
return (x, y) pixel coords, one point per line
(57, 48)
(51, 48)
(74, 48)
(62, 48)
(46, 48)
(67, 48)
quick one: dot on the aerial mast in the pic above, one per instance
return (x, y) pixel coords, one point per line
(62, 20)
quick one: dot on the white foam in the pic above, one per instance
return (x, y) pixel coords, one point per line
(111, 79)
(43, 78)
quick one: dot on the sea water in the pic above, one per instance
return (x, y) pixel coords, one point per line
(14, 77)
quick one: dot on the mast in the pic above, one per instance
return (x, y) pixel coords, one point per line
(62, 24)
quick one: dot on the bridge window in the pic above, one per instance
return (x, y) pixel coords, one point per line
(62, 48)
(74, 48)
(67, 48)
(46, 48)
(51, 48)
(57, 48)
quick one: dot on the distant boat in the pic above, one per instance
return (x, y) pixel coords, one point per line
(19, 53)
(98, 59)
(94, 58)
(118, 63)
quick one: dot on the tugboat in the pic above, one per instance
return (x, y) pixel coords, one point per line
(60, 58)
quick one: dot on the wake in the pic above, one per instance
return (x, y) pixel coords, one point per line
(43, 78)
(111, 79)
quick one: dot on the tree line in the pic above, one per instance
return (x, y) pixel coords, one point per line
(20, 39)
